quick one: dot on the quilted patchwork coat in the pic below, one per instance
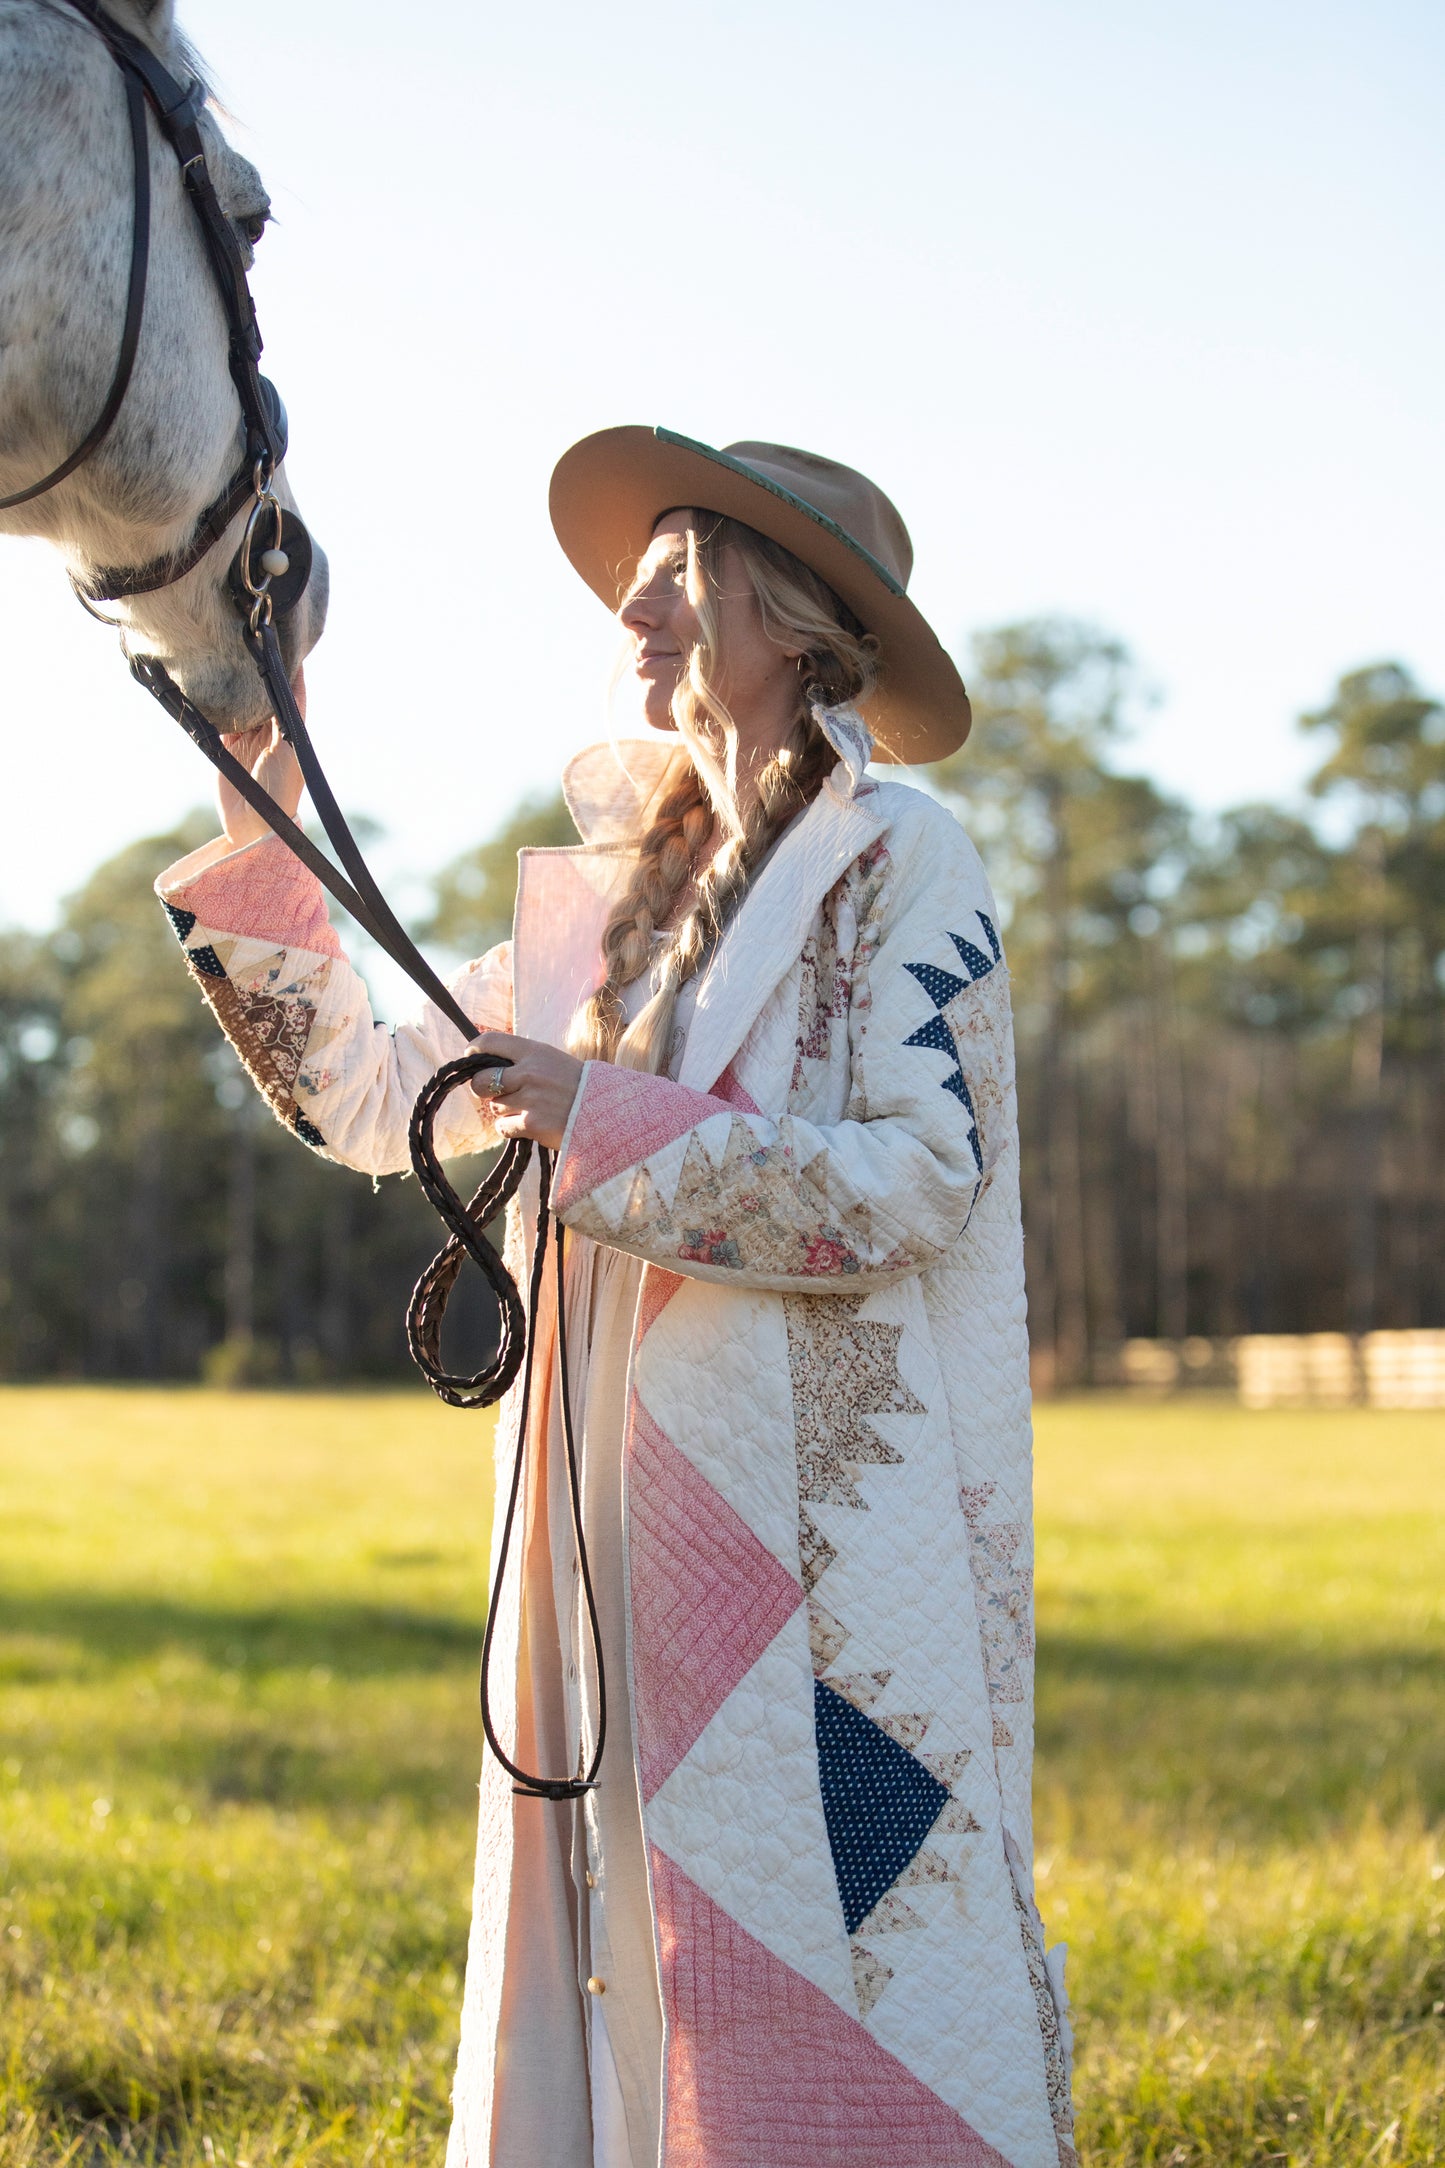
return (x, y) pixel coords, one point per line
(827, 1487)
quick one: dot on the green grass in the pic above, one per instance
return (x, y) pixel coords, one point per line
(239, 1742)
(238, 1640)
(1241, 1778)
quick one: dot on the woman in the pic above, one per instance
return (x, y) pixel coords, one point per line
(761, 1015)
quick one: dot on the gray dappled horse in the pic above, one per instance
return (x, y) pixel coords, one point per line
(66, 209)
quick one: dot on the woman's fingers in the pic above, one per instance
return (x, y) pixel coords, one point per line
(238, 822)
(522, 1124)
(273, 763)
(507, 1050)
(529, 1089)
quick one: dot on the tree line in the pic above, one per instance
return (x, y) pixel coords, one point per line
(1231, 1052)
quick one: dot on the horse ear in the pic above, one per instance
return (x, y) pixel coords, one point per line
(159, 16)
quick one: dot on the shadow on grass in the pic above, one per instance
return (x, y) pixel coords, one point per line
(1261, 1739)
(138, 2107)
(1266, 1738)
(76, 1634)
(1235, 1664)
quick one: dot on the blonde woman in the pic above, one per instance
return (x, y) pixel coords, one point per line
(761, 1015)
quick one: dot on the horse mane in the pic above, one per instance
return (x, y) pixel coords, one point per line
(178, 52)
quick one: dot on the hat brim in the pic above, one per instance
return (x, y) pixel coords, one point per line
(609, 491)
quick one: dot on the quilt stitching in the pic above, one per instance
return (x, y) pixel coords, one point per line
(707, 1598)
(879, 1803)
(763, 2067)
(844, 1370)
(1004, 1593)
(882, 1798)
(823, 995)
(271, 1032)
(265, 895)
(723, 1213)
(1056, 2056)
(943, 988)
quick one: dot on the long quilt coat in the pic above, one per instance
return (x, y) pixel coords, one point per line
(827, 1510)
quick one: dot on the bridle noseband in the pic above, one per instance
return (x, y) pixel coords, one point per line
(267, 578)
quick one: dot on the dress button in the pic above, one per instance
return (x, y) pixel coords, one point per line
(596, 1986)
(591, 1879)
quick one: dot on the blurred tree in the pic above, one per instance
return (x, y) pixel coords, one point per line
(1075, 851)
(1231, 1053)
(151, 1211)
(476, 893)
(1386, 765)
(145, 1133)
(1258, 931)
(32, 1067)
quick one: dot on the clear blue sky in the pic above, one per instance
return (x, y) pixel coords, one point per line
(1136, 310)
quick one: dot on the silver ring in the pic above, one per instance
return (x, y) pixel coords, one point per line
(498, 1073)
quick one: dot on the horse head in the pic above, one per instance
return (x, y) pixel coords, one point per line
(66, 217)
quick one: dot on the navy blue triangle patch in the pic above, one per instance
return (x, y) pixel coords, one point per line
(957, 1085)
(206, 961)
(182, 921)
(934, 1033)
(879, 1802)
(978, 964)
(309, 1133)
(959, 1088)
(940, 986)
(989, 935)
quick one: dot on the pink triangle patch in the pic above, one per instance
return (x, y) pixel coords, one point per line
(658, 1288)
(267, 895)
(707, 1598)
(727, 1087)
(624, 1116)
(765, 2071)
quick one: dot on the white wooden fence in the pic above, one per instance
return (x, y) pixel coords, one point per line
(1404, 1369)
(1297, 1369)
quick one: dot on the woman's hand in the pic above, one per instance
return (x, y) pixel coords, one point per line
(274, 765)
(534, 1097)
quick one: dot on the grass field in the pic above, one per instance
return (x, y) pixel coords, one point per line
(239, 1744)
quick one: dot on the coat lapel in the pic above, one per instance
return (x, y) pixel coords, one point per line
(766, 937)
(563, 898)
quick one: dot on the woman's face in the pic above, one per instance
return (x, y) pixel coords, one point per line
(756, 678)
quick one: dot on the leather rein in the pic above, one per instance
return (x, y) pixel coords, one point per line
(267, 578)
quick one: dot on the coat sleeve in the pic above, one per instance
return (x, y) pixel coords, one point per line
(253, 925)
(692, 1182)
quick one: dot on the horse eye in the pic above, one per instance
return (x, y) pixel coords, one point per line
(252, 228)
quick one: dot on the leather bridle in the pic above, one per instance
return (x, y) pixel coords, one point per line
(267, 578)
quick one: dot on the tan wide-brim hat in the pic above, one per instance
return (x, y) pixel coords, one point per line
(609, 491)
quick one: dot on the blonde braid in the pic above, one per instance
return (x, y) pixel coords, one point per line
(785, 784)
(669, 851)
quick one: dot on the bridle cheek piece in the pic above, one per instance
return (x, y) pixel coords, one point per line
(267, 578)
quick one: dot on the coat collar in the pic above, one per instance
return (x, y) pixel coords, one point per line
(611, 788)
(564, 896)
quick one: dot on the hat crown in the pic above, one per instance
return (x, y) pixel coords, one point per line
(841, 494)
